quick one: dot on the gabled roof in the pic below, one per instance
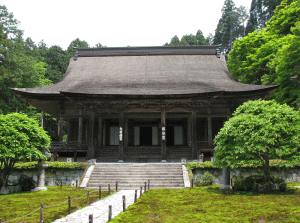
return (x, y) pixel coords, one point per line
(145, 71)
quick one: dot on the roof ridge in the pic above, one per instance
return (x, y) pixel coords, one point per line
(145, 51)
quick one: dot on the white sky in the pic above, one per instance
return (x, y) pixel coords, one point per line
(115, 23)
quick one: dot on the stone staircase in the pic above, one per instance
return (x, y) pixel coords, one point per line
(134, 175)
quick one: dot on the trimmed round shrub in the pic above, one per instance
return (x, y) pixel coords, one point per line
(27, 183)
(258, 183)
(205, 179)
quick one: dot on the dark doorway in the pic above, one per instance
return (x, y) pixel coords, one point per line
(145, 136)
(170, 135)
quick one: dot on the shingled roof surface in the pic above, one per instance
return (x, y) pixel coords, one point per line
(146, 71)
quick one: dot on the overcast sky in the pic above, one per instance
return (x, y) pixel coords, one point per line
(115, 23)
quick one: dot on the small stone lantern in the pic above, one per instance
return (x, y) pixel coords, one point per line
(201, 158)
(41, 178)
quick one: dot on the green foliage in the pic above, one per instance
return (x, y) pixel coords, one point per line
(274, 163)
(53, 165)
(21, 138)
(190, 40)
(259, 182)
(258, 132)
(206, 179)
(271, 56)
(204, 165)
(20, 63)
(27, 183)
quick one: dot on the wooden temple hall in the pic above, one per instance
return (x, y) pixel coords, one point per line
(142, 104)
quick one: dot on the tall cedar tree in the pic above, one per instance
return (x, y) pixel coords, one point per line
(260, 12)
(231, 26)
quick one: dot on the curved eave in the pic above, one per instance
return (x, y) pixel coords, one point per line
(46, 96)
(268, 90)
(56, 96)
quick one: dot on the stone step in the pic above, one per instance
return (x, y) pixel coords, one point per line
(126, 176)
(132, 172)
(137, 188)
(136, 185)
(133, 176)
(109, 181)
(126, 181)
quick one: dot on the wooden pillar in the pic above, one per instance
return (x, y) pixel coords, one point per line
(121, 137)
(194, 135)
(91, 146)
(163, 136)
(60, 129)
(189, 131)
(100, 132)
(209, 128)
(80, 127)
(69, 130)
(126, 132)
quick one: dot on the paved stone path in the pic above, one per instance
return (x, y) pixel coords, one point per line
(99, 209)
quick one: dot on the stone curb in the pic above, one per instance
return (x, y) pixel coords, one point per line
(186, 179)
(87, 176)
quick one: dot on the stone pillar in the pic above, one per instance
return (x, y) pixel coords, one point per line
(163, 136)
(41, 177)
(60, 129)
(121, 137)
(194, 136)
(91, 146)
(226, 179)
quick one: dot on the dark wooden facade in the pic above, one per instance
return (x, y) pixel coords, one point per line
(142, 104)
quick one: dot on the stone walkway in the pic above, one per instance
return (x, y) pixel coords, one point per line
(99, 209)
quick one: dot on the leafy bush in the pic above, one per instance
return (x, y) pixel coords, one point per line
(260, 183)
(274, 163)
(27, 183)
(56, 165)
(206, 179)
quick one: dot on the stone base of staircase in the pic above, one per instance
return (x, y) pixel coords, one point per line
(134, 175)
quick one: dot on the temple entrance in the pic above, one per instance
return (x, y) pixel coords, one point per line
(146, 136)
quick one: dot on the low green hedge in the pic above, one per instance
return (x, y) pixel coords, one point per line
(211, 165)
(53, 165)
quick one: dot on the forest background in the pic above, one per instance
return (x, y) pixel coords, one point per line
(25, 64)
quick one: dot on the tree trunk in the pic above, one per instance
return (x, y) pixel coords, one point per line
(266, 169)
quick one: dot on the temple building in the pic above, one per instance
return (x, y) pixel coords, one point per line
(142, 104)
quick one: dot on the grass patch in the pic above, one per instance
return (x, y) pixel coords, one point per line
(210, 204)
(16, 205)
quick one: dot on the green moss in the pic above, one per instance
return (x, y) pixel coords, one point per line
(210, 204)
(16, 205)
